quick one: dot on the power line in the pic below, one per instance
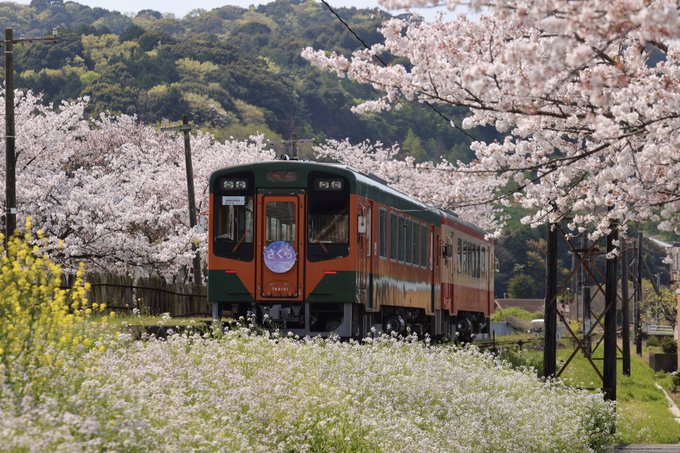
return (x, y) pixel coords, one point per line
(377, 57)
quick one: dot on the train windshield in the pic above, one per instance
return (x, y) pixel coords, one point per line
(233, 223)
(327, 217)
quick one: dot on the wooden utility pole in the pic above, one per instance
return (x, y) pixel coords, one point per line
(185, 128)
(10, 134)
(293, 142)
(10, 157)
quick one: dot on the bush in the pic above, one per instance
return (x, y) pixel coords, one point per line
(39, 321)
(669, 345)
(520, 313)
(675, 380)
(653, 342)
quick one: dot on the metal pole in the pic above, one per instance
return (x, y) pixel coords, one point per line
(550, 317)
(586, 295)
(192, 197)
(638, 297)
(609, 371)
(10, 155)
(625, 323)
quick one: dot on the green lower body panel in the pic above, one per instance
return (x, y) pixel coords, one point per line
(335, 288)
(223, 287)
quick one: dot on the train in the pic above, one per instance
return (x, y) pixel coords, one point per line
(317, 248)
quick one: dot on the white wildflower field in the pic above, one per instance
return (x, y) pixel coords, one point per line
(240, 391)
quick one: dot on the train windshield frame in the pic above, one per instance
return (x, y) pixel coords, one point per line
(327, 216)
(234, 220)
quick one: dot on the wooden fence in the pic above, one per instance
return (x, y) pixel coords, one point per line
(151, 296)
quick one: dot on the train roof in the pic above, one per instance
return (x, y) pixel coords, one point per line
(370, 182)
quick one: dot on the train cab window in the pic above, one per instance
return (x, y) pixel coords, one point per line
(327, 216)
(408, 227)
(233, 217)
(383, 233)
(416, 232)
(394, 237)
(280, 222)
(423, 248)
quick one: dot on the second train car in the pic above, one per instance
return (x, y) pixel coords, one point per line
(319, 248)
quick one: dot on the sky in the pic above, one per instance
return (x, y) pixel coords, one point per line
(181, 7)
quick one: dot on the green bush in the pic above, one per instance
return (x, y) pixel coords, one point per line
(675, 380)
(653, 342)
(520, 313)
(669, 345)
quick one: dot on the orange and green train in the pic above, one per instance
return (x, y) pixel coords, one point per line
(317, 248)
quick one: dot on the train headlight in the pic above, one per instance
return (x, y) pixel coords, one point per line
(329, 184)
(228, 185)
(240, 184)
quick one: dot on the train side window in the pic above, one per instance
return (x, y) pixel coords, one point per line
(400, 244)
(478, 263)
(383, 233)
(423, 248)
(394, 238)
(408, 225)
(465, 258)
(459, 256)
(483, 263)
(416, 233)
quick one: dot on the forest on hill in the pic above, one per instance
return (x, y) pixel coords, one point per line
(239, 72)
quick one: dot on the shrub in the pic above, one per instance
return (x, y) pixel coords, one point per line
(653, 342)
(39, 321)
(520, 313)
(675, 380)
(669, 345)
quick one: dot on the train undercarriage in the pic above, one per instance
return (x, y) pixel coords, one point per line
(350, 320)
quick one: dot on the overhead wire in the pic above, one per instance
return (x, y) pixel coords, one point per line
(377, 57)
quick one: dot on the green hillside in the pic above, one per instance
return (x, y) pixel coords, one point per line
(236, 70)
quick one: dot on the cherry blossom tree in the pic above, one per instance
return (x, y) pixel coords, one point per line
(112, 192)
(587, 94)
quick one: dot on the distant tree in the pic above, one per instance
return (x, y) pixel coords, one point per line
(523, 286)
(413, 146)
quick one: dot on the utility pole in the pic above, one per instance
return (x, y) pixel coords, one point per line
(609, 369)
(585, 275)
(10, 134)
(293, 142)
(185, 128)
(550, 317)
(638, 296)
(625, 309)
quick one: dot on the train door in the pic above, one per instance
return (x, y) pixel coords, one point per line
(364, 238)
(280, 247)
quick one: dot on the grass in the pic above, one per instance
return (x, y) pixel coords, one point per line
(643, 413)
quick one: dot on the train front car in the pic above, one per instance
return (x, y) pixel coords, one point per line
(318, 248)
(279, 246)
